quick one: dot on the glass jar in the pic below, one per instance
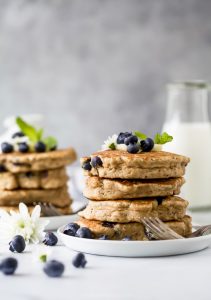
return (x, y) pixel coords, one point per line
(188, 122)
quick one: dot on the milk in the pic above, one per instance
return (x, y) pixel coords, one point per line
(194, 141)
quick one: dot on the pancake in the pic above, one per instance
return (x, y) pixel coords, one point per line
(48, 179)
(144, 165)
(17, 162)
(124, 211)
(58, 197)
(136, 231)
(62, 210)
(97, 188)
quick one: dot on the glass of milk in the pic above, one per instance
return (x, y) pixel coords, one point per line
(188, 122)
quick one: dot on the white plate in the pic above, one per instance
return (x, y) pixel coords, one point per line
(58, 221)
(135, 248)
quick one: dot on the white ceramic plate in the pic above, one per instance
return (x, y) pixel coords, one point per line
(135, 248)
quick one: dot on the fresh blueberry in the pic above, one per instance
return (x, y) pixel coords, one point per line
(79, 261)
(53, 268)
(127, 238)
(53, 148)
(133, 148)
(87, 165)
(131, 140)
(9, 265)
(122, 136)
(18, 134)
(17, 244)
(71, 228)
(6, 147)
(147, 145)
(2, 169)
(103, 237)
(40, 147)
(96, 162)
(84, 232)
(50, 239)
(23, 147)
(159, 200)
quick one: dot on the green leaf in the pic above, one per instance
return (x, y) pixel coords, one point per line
(50, 142)
(27, 129)
(112, 146)
(43, 258)
(140, 135)
(162, 138)
(40, 134)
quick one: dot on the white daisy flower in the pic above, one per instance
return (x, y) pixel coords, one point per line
(157, 147)
(110, 143)
(31, 227)
(121, 147)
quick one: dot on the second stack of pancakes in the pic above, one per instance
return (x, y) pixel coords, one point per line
(34, 178)
(123, 188)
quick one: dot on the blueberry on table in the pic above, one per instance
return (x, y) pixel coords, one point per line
(103, 237)
(131, 140)
(17, 244)
(87, 165)
(8, 266)
(127, 238)
(18, 134)
(50, 239)
(96, 161)
(23, 147)
(133, 148)
(84, 232)
(53, 268)
(121, 137)
(147, 145)
(79, 261)
(6, 147)
(71, 228)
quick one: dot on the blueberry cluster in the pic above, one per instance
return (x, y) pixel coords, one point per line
(133, 144)
(23, 147)
(73, 229)
(94, 162)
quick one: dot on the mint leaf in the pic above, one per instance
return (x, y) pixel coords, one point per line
(162, 138)
(40, 134)
(43, 258)
(140, 135)
(112, 146)
(50, 142)
(27, 129)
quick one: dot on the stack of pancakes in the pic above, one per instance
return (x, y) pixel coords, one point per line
(123, 188)
(34, 178)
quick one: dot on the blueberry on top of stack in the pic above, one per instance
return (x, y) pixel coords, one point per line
(132, 178)
(32, 170)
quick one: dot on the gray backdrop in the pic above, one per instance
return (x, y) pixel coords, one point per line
(96, 67)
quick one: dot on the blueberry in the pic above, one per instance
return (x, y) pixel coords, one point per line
(84, 232)
(133, 148)
(18, 134)
(6, 147)
(121, 137)
(40, 147)
(131, 140)
(53, 148)
(71, 228)
(159, 200)
(87, 165)
(50, 239)
(127, 238)
(53, 268)
(79, 260)
(23, 147)
(96, 162)
(147, 145)
(103, 237)
(9, 265)
(17, 244)
(2, 169)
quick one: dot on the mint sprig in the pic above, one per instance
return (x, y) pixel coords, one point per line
(162, 138)
(36, 135)
(140, 135)
(112, 146)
